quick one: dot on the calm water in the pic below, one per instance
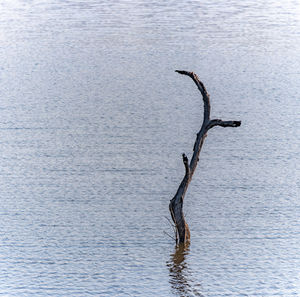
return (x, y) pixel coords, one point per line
(93, 121)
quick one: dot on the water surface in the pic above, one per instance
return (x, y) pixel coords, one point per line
(93, 120)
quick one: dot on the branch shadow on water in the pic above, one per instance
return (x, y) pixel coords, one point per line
(180, 275)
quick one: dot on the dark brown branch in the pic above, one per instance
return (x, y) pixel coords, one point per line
(217, 122)
(186, 165)
(176, 204)
(202, 133)
(202, 90)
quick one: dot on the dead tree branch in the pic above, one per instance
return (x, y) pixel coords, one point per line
(176, 204)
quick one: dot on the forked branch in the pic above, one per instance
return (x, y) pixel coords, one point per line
(176, 204)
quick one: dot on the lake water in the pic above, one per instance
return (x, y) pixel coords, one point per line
(93, 121)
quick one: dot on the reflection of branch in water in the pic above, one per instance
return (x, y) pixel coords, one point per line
(180, 275)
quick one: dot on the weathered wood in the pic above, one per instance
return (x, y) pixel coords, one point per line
(176, 204)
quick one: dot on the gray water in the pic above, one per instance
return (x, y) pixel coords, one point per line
(93, 121)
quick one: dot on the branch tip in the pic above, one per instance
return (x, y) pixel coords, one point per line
(184, 72)
(185, 158)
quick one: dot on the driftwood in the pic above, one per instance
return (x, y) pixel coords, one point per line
(176, 204)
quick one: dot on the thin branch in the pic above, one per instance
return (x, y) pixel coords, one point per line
(196, 80)
(172, 225)
(202, 89)
(186, 165)
(170, 236)
(217, 122)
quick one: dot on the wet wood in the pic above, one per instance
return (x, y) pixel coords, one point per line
(176, 204)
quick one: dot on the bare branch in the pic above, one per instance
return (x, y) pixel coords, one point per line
(195, 78)
(170, 236)
(202, 90)
(217, 122)
(206, 117)
(172, 225)
(186, 165)
(176, 204)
